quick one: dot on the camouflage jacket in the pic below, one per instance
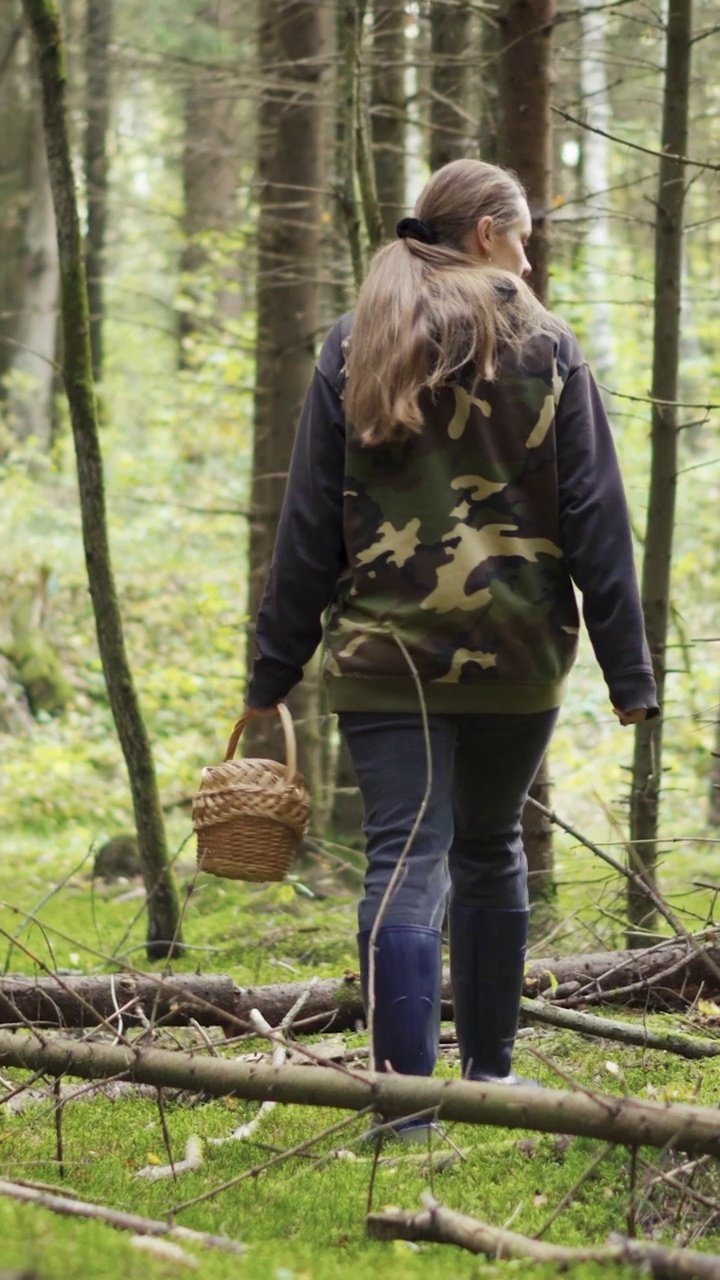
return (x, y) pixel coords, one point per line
(449, 560)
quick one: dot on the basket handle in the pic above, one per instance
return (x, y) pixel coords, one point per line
(288, 731)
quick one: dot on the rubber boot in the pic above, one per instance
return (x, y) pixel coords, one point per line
(406, 1022)
(487, 961)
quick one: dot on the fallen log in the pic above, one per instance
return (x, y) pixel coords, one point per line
(444, 1226)
(631, 1121)
(659, 977)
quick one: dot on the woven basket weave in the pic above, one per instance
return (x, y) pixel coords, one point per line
(250, 815)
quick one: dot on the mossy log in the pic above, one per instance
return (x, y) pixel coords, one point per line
(654, 978)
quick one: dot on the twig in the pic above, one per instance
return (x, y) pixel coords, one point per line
(572, 1192)
(123, 1221)
(58, 1126)
(278, 1159)
(637, 880)
(192, 1160)
(622, 1032)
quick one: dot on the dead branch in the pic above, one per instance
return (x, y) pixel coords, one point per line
(583, 1113)
(444, 1226)
(71, 1208)
(622, 1032)
(655, 978)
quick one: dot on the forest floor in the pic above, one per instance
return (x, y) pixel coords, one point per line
(303, 1218)
(177, 487)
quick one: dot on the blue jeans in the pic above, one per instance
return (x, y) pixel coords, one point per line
(469, 839)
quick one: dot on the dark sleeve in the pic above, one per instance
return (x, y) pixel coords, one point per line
(597, 543)
(309, 550)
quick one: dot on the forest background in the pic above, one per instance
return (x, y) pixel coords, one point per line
(234, 167)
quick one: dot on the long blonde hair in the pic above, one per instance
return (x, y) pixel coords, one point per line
(426, 311)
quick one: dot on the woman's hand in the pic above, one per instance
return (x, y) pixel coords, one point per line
(631, 717)
(260, 711)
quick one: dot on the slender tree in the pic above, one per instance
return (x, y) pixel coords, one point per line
(289, 172)
(490, 47)
(450, 42)
(209, 172)
(388, 109)
(647, 756)
(525, 124)
(163, 908)
(525, 145)
(596, 180)
(29, 279)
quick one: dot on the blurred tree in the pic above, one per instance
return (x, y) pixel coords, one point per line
(29, 278)
(210, 176)
(388, 109)
(451, 52)
(97, 108)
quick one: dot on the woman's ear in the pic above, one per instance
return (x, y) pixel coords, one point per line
(484, 235)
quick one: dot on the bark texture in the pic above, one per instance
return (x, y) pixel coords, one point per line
(647, 756)
(289, 173)
(450, 38)
(388, 110)
(525, 125)
(590, 1115)
(665, 976)
(97, 105)
(29, 276)
(209, 172)
(163, 907)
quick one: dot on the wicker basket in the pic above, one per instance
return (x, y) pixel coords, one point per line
(250, 815)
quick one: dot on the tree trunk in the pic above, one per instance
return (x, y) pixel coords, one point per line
(388, 110)
(28, 248)
(490, 45)
(647, 757)
(209, 169)
(97, 98)
(525, 133)
(29, 401)
(163, 910)
(450, 32)
(525, 145)
(291, 49)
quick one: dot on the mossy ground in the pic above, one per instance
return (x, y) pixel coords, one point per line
(304, 1218)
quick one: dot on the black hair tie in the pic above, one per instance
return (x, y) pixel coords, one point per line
(416, 229)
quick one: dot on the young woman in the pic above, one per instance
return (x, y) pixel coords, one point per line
(453, 476)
